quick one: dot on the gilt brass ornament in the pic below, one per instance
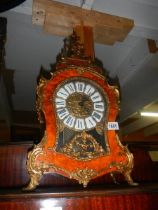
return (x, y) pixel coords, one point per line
(83, 147)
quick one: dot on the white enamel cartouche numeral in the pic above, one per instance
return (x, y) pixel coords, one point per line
(80, 86)
(69, 121)
(62, 113)
(99, 106)
(62, 93)
(89, 90)
(60, 102)
(70, 88)
(97, 116)
(96, 97)
(90, 123)
(80, 124)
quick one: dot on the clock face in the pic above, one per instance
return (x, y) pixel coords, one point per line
(80, 105)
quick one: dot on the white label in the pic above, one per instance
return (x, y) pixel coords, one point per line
(113, 126)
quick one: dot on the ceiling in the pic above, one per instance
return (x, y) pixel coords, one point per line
(28, 47)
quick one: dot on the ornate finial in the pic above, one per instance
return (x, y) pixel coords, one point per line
(73, 48)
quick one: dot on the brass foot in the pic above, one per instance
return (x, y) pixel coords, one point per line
(34, 181)
(114, 178)
(130, 180)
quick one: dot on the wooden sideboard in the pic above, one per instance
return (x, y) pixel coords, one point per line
(59, 193)
(71, 199)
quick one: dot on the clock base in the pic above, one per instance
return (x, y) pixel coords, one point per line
(38, 165)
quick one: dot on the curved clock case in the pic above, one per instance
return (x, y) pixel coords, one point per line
(77, 103)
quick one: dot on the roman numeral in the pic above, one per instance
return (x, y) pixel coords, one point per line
(80, 86)
(70, 88)
(89, 90)
(96, 97)
(62, 113)
(79, 125)
(90, 123)
(70, 121)
(97, 116)
(60, 102)
(99, 106)
(62, 93)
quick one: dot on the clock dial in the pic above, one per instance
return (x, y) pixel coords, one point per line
(80, 105)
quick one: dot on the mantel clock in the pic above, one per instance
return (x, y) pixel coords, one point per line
(78, 104)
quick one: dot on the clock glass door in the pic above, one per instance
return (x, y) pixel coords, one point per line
(81, 110)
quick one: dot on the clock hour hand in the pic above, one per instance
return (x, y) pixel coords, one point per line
(85, 104)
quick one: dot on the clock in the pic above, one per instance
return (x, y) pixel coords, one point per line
(80, 104)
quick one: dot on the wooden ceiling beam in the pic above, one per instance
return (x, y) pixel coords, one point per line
(60, 19)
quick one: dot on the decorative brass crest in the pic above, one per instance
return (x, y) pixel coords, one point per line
(83, 176)
(83, 147)
(72, 48)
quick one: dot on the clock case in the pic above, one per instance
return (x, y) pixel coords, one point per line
(103, 153)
